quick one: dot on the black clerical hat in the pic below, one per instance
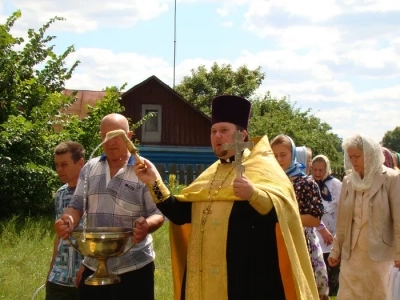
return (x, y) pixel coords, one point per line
(232, 109)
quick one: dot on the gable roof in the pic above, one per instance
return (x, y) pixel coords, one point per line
(167, 87)
(86, 97)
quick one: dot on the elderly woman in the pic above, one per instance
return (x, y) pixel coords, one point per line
(367, 237)
(330, 188)
(310, 205)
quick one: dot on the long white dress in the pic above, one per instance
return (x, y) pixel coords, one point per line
(360, 276)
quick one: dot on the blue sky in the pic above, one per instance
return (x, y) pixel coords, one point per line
(339, 58)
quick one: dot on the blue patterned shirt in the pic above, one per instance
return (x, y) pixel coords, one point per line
(68, 261)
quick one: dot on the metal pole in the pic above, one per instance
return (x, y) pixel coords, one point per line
(173, 83)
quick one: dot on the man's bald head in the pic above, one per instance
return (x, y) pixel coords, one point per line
(115, 120)
(115, 148)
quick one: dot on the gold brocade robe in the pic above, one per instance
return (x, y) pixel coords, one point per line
(206, 276)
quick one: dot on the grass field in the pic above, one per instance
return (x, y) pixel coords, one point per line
(25, 253)
(26, 249)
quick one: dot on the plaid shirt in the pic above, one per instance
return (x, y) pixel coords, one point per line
(67, 261)
(116, 202)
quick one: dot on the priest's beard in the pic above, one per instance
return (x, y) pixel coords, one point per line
(221, 154)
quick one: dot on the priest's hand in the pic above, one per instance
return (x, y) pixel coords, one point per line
(243, 188)
(146, 171)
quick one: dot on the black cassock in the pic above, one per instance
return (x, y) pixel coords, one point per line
(252, 253)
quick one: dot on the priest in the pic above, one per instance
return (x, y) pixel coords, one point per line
(235, 231)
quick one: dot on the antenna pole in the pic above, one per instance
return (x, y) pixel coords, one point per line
(173, 83)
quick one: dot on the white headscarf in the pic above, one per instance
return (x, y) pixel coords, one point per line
(328, 169)
(373, 160)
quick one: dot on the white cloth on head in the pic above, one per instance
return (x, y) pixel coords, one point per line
(328, 170)
(373, 160)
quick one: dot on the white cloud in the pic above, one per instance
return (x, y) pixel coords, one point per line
(223, 12)
(107, 68)
(287, 63)
(301, 37)
(377, 5)
(326, 54)
(227, 24)
(313, 10)
(371, 118)
(101, 67)
(330, 49)
(395, 43)
(82, 16)
(374, 58)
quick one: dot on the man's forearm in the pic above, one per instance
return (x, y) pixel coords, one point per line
(155, 222)
(74, 216)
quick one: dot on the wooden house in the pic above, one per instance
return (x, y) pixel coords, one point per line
(178, 134)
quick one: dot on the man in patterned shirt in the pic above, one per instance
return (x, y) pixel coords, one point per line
(116, 198)
(69, 160)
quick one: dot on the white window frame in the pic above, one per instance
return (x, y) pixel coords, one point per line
(152, 136)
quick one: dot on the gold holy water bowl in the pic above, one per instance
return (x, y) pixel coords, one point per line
(102, 243)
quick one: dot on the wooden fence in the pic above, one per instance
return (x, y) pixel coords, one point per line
(338, 172)
(185, 174)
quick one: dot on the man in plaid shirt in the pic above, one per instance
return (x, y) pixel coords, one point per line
(116, 198)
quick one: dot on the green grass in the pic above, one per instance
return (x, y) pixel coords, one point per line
(26, 249)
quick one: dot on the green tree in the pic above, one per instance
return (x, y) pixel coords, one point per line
(269, 116)
(272, 117)
(203, 85)
(29, 75)
(391, 139)
(32, 107)
(32, 77)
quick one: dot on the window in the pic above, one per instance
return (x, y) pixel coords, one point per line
(151, 129)
(151, 125)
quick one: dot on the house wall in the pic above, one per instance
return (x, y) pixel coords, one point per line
(182, 124)
(178, 155)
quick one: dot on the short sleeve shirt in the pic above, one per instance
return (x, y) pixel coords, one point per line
(67, 261)
(115, 202)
